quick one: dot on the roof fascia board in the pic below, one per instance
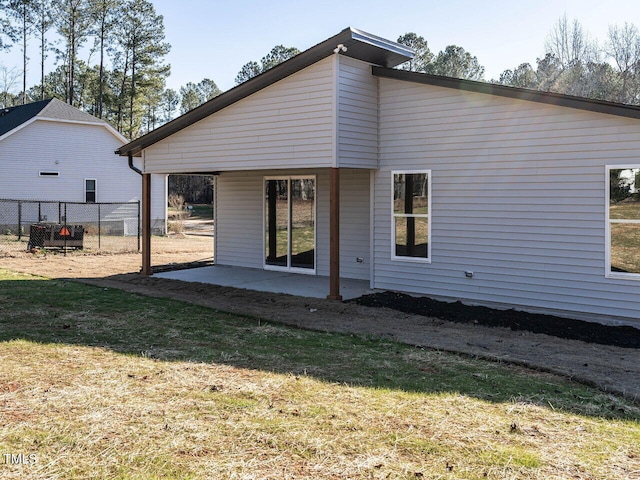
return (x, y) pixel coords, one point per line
(259, 82)
(380, 42)
(557, 99)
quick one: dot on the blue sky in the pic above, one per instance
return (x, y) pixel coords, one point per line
(214, 39)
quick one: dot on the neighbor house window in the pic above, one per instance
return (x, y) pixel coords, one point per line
(90, 190)
(411, 211)
(49, 174)
(623, 221)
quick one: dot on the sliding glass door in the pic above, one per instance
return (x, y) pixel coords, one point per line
(290, 224)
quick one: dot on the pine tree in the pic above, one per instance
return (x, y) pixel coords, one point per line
(42, 23)
(143, 72)
(73, 22)
(24, 12)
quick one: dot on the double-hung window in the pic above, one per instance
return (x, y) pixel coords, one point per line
(90, 190)
(623, 221)
(411, 211)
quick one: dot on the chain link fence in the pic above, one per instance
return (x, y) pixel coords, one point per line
(92, 227)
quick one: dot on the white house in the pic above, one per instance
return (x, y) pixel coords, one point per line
(334, 163)
(51, 151)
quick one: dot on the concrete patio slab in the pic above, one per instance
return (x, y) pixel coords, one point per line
(269, 281)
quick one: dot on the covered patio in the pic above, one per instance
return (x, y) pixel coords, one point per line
(284, 147)
(268, 281)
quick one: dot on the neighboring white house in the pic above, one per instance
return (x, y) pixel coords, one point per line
(51, 151)
(449, 188)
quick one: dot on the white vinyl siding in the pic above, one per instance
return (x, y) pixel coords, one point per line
(76, 152)
(357, 115)
(354, 224)
(240, 219)
(286, 125)
(518, 198)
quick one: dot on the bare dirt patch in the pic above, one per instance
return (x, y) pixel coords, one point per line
(611, 368)
(166, 252)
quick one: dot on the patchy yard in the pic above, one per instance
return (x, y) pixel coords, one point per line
(611, 368)
(168, 250)
(100, 383)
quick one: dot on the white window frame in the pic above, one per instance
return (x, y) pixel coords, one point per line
(95, 191)
(395, 257)
(608, 273)
(289, 268)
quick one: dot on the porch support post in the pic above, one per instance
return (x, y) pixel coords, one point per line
(146, 224)
(334, 235)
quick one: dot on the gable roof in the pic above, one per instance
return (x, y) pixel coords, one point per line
(360, 45)
(581, 103)
(12, 118)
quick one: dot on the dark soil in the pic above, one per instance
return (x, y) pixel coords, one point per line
(592, 332)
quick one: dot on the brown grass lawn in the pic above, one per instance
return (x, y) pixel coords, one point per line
(98, 383)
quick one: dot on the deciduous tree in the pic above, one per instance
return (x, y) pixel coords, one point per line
(8, 81)
(568, 42)
(623, 47)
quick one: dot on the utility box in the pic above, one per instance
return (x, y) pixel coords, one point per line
(56, 235)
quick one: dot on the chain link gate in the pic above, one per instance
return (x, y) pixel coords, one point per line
(104, 227)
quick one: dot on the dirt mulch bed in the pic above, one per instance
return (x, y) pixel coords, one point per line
(592, 332)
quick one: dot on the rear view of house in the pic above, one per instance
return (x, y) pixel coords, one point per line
(336, 164)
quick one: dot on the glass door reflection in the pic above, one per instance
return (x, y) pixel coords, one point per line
(290, 223)
(277, 222)
(303, 223)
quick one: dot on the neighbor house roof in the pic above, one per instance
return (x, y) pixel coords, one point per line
(359, 45)
(13, 118)
(558, 99)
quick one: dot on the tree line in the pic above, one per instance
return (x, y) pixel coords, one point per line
(109, 57)
(573, 64)
(110, 61)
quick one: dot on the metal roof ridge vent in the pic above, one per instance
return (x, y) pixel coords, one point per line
(380, 42)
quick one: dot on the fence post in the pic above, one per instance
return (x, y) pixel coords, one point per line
(65, 226)
(19, 220)
(39, 212)
(99, 227)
